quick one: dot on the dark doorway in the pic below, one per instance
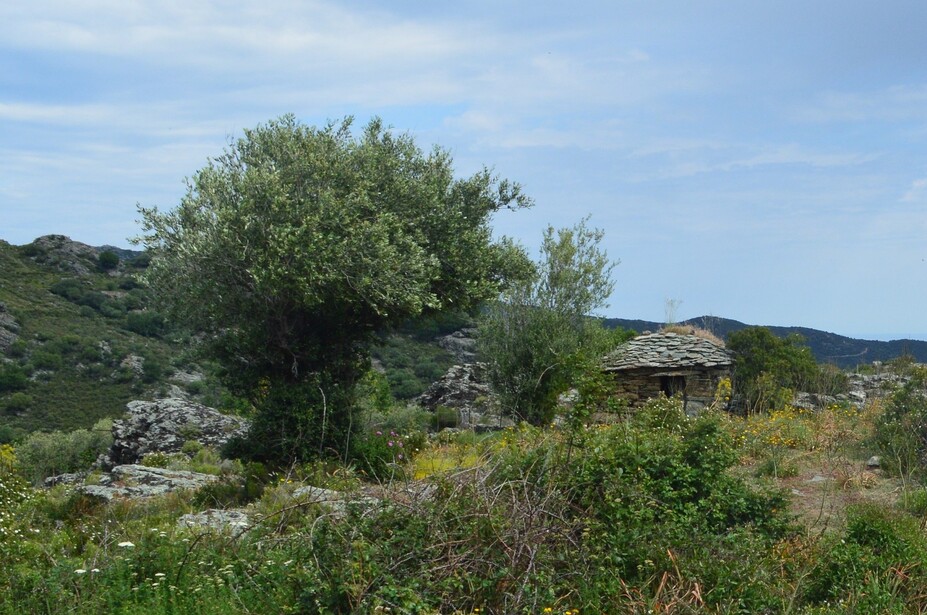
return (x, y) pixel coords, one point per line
(671, 385)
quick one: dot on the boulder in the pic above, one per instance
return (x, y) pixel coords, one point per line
(461, 344)
(465, 388)
(217, 519)
(164, 425)
(335, 501)
(134, 364)
(67, 255)
(9, 328)
(135, 481)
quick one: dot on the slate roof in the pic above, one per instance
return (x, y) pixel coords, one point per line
(667, 350)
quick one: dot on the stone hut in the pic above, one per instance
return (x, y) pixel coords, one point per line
(669, 363)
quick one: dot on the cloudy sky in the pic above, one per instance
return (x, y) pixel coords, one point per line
(763, 161)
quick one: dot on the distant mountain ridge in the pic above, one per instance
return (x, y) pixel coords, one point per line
(845, 352)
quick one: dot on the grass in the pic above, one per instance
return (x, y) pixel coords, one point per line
(510, 526)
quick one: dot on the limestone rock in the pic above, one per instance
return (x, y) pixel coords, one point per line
(461, 344)
(134, 364)
(135, 481)
(67, 255)
(335, 501)
(164, 425)
(65, 479)
(466, 389)
(217, 519)
(8, 328)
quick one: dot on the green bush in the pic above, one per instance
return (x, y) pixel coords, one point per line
(901, 431)
(18, 402)
(445, 417)
(383, 455)
(235, 490)
(140, 261)
(70, 288)
(44, 454)
(18, 349)
(767, 369)
(873, 565)
(107, 260)
(46, 359)
(12, 378)
(148, 323)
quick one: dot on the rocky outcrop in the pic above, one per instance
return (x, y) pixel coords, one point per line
(217, 519)
(164, 425)
(860, 389)
(9, 328)
(461, 344)
(466, 389)
(135, 481)
(65, 254)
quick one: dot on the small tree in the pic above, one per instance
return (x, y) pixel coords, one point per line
(538, 335)
(108, 260)
(767, 369)
(901, 430)
(294, 247)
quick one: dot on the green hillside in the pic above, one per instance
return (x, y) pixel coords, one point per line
(78, 323)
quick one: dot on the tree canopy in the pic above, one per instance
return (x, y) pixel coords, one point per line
(292, 248)
(539, 333)
(767, 369)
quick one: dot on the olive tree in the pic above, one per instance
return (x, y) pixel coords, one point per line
(538, 335)
(292, 248)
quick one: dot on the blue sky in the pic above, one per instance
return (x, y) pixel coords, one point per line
(763, 161)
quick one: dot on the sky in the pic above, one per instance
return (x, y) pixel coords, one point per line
(762, 161)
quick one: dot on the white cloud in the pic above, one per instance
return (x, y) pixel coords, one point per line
(917, 192)
(55, 114)
(901, 102)
(233, 34)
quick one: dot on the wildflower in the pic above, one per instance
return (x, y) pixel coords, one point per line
(126, 544)
(95, 570)
(160, 574)
(80, 571)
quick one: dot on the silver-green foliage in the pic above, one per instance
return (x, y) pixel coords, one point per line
(538, 335)
(298, 243)
(44, 454)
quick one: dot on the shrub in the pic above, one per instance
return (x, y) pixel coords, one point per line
(235, 490)
(767, 368)
(445, 417)
(69, 288)
(147, 323)
(152, 369)
(383, 455)
(18, 402)
(12, 378)
(107, 260)
(869, 563)
(901, 430)
(45, 454)
(46, 359)
(17, 349)
(140, 261)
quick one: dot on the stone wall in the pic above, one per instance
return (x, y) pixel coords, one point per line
(636, 386)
